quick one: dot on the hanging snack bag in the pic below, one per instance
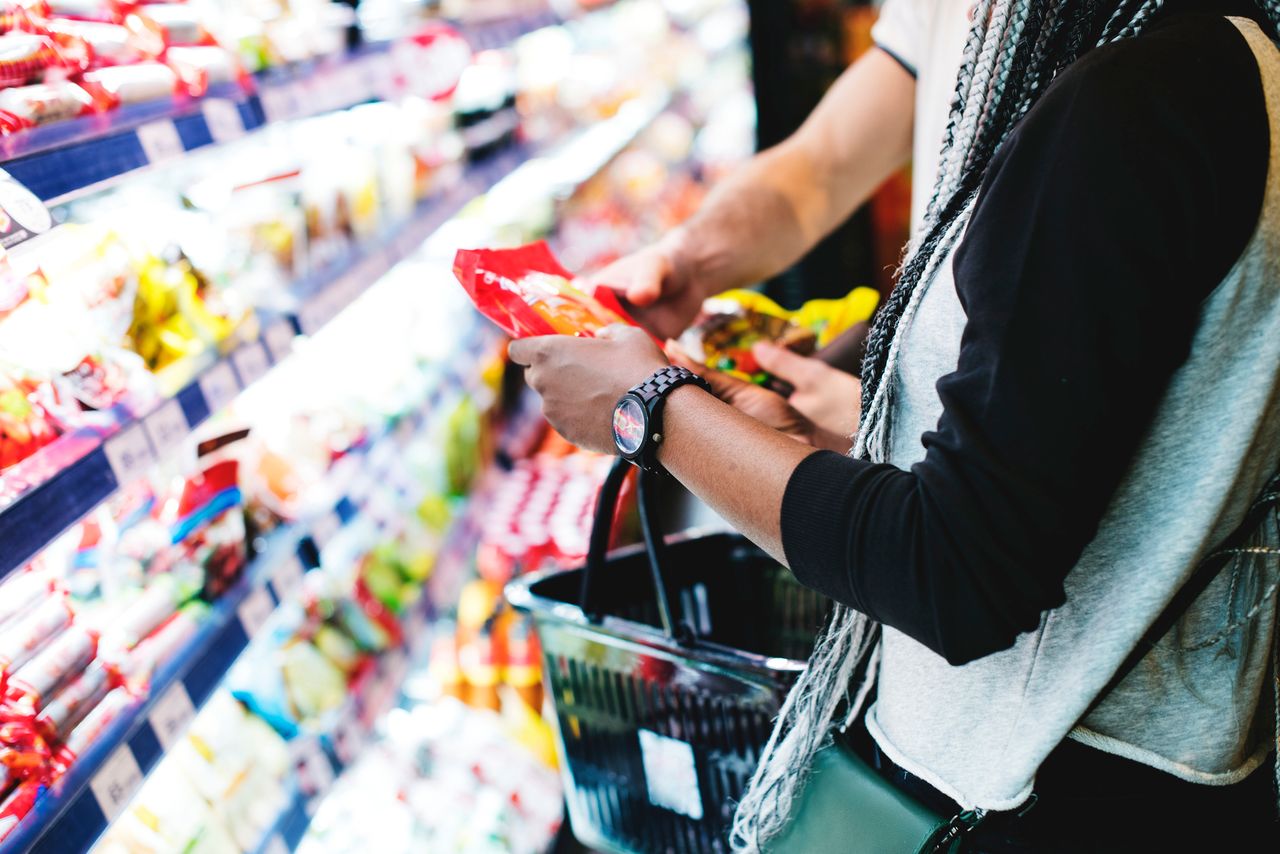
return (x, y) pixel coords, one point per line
(526, 292)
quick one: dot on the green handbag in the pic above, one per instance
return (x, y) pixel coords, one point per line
(847, 808)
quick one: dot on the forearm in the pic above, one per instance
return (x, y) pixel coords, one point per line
(762, 219)
(734, 463)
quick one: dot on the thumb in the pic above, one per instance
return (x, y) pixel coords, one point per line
(785, 364)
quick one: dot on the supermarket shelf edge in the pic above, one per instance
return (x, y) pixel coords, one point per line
(60, 160)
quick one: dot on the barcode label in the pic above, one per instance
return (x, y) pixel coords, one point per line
(218, 384)
(116, 781)
(129, 454)
(160, 141)
(223, 118)
(251, 362)
(167, 427)
(171, 715)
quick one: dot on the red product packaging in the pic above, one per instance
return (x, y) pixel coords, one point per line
(69, 706)
(64, 658)
(527, 292)
(20, 641)
(15, 807)
(21, 591)
(115, 703)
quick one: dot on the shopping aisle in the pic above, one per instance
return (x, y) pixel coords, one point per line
(265, 471)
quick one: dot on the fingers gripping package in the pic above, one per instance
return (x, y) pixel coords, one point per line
(527, 293)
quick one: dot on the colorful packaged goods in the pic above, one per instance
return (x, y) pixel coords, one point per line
(526, 292)
(733, 322)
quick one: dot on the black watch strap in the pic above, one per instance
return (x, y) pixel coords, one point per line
(665, 380)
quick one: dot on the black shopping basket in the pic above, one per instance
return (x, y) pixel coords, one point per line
(667, 666)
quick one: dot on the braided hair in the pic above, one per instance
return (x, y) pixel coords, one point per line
(1014, 50)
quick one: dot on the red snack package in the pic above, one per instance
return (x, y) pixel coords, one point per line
(63, 659)
(22, 639)
(24, 57)
(15, 807)
(526, 292)
(69, 706)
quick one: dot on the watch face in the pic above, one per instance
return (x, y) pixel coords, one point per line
(628, 425)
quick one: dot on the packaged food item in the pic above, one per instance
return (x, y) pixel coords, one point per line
(27, 417)
(70, 704)
(733, 322)
(20, 590)
(40, 103)
(526, 292)
(131, 84)
(17, 804)
(21, 639)
(25, 56)
(59, 662)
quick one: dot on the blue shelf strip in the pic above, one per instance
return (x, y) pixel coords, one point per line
(70, 818)
(44, 512)
(62, 159)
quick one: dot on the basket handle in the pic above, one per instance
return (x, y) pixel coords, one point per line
(655, 546)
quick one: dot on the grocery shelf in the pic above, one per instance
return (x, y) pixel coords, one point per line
(59, 160)
(100, 782)
(42, 513)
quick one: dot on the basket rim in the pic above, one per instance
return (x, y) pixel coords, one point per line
(519, 594)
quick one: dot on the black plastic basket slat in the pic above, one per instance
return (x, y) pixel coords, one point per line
(612, 671)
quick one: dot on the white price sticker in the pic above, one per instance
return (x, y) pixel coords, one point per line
(252, 363)
(116, 781)
(276, 846)
(287, 579)
(279, 337)
(277, 103)
(160, 141)
(129, 454)
(218, 384)
(223, 118)
(670, 774)
(171, 715)
(315, 771)
(324, 528)
(255, 610)
(167, 427)
(314, 314)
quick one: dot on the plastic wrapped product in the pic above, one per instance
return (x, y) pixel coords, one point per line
(17, 804)
(207, 528)
(24, 637)
(132, 84)
(60, 661)
(113, 44)
(24, 57)
(162, 644)
(20, 591)
(41, 103)
(70, 705)
(115, 703)
(526, 292)
(27, 420)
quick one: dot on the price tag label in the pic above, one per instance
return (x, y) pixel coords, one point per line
(315, 771)
(223, 118)
(324, 528)
(255, 610)
(219, 387)
(314, 314)
(277, 103)
(129, 454)
(276, 846)
(160, 141)
(279, 339)
(287, 579)
(171, 715)
(116, 781)
(251, 362)
(167, 427)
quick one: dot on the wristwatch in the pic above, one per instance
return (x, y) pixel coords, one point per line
(637, 416)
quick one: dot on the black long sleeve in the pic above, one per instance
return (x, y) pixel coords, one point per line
(1113, 210)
